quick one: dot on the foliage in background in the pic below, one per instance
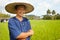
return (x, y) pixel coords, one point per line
(51, 15)
(4, 15)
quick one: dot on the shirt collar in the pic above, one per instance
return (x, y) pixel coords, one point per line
(20, 21)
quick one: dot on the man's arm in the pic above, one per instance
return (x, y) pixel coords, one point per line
(25, 34)
(21, 39)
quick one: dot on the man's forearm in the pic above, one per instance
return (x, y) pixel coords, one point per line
(24, 35)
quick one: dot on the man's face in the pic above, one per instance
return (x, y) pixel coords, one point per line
(20, 11)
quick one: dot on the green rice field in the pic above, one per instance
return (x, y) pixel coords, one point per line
(43, 30)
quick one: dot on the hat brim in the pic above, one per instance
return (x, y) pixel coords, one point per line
(11, 7)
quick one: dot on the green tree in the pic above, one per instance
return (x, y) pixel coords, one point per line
(57, 16)
(53, 14)
(48, 12)
(47, 17)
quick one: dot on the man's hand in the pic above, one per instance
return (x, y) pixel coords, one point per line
(31, 31)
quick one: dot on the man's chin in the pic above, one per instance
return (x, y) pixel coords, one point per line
(20, 16)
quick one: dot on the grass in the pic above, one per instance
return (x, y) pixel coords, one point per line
(43, 30)
(4, 35)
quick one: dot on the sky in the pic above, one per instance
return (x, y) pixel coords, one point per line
(40, 6)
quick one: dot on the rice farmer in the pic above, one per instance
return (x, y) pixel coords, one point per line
(19, 26)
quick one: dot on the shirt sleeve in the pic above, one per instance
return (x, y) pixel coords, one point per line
(14, 31)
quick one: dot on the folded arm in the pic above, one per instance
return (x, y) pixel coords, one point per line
(24, 35)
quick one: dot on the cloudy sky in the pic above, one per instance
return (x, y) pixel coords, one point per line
(41, 6)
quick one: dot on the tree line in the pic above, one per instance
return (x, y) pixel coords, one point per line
(51, 15)
(4, 15)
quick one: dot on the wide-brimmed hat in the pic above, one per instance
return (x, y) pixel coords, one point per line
(11, 7)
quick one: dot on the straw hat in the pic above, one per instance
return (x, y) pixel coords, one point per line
(11, 7)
